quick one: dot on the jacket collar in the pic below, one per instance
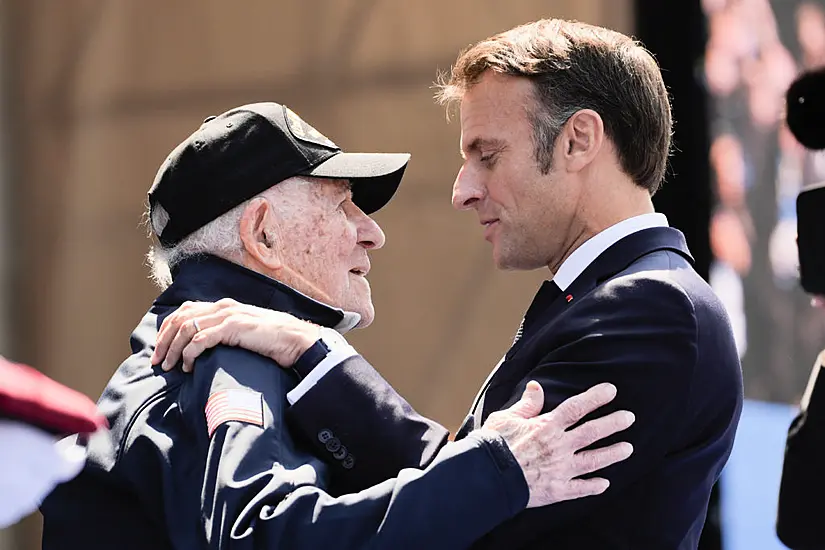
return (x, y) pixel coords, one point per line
(627, 250)
(593, 247)
(615, 259)
(208, 278)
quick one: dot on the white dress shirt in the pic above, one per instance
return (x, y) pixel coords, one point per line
(585, 254)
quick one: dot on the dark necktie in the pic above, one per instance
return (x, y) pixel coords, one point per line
(546, 295)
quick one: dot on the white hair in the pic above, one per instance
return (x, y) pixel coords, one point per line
(221, 237)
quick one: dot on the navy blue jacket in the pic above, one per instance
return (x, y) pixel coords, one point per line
(640, 317)
(217, 459)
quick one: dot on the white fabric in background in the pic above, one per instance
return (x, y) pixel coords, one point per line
(32, 463)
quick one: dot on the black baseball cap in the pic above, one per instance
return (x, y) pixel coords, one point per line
(236, 155)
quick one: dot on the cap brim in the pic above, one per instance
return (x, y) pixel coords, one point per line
(374, 176)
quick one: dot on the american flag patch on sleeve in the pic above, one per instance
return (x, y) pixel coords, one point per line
(234, 405)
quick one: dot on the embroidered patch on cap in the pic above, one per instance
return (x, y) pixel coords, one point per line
(234, 405)
(302, 130)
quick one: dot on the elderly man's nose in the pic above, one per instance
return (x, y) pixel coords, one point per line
(370, 234)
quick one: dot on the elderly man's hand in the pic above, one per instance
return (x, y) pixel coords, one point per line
(550, 454)
(197, 326)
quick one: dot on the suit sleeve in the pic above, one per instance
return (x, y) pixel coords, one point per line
(383, 433)
(799, 523)
(262, 489)
(647, 351)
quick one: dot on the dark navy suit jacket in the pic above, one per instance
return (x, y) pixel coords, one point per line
(641, 318)
(215, 459)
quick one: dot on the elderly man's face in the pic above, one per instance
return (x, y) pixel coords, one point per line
(323, 239)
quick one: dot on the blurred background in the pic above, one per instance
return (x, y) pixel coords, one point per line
(95, 93)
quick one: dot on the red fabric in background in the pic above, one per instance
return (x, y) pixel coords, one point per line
(32, 397)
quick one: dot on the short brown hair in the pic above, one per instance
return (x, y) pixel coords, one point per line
(576, 66)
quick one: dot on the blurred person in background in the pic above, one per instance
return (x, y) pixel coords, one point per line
(565, 137)
(755, 49)
(810, 30)
(258, 206)
(730, 232)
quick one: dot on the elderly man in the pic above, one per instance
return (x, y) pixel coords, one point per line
(565, 134)
(258, 206)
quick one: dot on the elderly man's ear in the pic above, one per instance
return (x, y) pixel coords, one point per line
(259, 237)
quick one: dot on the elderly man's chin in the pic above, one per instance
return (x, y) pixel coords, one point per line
(367, 317)
(360, 301)
(367, 313)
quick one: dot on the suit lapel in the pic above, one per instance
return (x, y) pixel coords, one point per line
(499, 388)
(474, 418)
(548, 293)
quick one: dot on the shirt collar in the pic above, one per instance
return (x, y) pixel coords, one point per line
(209, 278)
(585, 254)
